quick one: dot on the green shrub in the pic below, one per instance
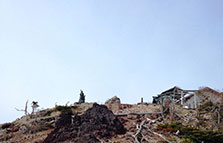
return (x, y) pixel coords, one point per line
(186, 141)
(174, 126)
(82, 97)
(193, 135)
(61, 109)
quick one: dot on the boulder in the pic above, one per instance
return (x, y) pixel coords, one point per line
(97, 122)
(113, 100)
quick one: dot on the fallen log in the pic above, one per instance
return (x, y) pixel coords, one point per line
(142, 113)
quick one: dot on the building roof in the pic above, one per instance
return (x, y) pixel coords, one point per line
(189, 96)
(208, 89)
(171, 90)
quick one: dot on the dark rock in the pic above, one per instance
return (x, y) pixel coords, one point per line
(86, 139)
(7, 125)
(65, 120)
(15, 129)
(96, 122)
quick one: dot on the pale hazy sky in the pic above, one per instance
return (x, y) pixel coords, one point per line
(50, 49)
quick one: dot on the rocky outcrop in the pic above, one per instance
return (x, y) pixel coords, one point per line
(97, 122)
(113, 100)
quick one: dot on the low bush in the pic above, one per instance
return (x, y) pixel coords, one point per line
(193, 135)
(61, 109)
(172, 127)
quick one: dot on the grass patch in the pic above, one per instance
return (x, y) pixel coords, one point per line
(62, 109)
(41, 127)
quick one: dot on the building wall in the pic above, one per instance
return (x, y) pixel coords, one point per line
(203, 95)
(193, 101)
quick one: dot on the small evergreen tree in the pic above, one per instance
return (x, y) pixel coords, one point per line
(34, 106)
(82, 97)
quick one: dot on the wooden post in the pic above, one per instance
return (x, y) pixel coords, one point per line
(195, 100)
(141, 100)
(182, 98)
(162, 106)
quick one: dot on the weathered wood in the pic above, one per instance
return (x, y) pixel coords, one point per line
(25, 110)
(155, 133)
(142, 113)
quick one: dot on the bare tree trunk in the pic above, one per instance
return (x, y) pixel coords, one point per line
(26, 108)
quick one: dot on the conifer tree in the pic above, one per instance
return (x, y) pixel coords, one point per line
(82, 97)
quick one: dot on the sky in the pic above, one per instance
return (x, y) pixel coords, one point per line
(50, 49)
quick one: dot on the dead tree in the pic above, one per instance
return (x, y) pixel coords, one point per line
(155, 133)
(145, 125)
(24, 110)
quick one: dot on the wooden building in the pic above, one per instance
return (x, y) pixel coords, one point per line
(203, 95)
(174, 94)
